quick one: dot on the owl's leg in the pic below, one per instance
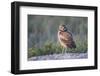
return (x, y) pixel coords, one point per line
(64, 50)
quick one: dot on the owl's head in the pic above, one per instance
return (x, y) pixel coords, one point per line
(62, 28)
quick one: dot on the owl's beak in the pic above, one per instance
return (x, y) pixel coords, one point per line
(65, 29)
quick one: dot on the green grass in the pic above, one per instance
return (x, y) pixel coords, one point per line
(50, 47)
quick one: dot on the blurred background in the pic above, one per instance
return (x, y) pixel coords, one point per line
(42, 29)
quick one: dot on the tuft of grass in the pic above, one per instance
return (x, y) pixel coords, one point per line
(50, 47)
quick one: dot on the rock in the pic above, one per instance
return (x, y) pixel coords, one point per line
(60, 56)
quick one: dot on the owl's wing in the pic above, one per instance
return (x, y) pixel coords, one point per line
(66, 38)
(65, 35)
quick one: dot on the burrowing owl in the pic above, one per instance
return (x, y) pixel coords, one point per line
(65, 37)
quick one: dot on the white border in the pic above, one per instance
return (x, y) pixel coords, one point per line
(26, 65)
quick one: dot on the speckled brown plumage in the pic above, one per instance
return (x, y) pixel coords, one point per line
(65, 37)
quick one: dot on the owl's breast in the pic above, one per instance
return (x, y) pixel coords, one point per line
(59, 39)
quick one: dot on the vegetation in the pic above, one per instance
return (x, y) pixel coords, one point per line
(42, 34)
(55, 48)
